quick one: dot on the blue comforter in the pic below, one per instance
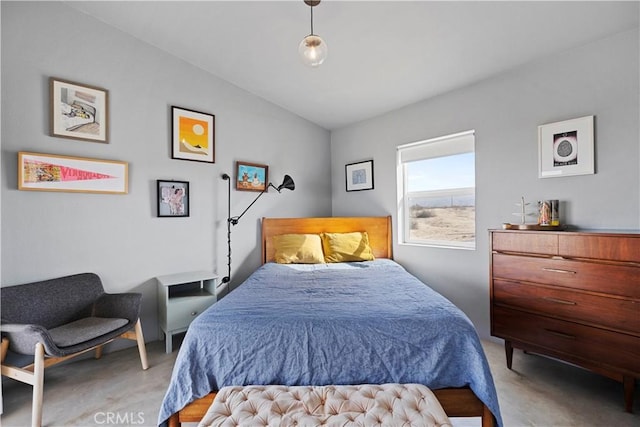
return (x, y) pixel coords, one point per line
(348, 323)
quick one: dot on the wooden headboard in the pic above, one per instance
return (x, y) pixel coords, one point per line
(378, 228)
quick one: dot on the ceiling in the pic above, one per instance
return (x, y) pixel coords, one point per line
(383, 55)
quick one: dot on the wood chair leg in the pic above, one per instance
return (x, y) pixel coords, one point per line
(138, 336)
(32, 375)
(142, 349)
(98, 353)
(4, 349)
(38, 386)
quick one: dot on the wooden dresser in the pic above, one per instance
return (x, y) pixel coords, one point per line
(574, 296)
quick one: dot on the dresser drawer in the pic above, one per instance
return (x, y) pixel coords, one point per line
(614, 248)
(617, 313)
(182, 311)
(577, 342)
(530, 242)
(605, 278)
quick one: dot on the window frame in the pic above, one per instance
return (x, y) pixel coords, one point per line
(404, 220)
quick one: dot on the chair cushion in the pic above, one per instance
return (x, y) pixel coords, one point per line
(84, 329)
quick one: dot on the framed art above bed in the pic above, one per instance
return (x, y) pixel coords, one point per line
(251, 176)
(359, 176)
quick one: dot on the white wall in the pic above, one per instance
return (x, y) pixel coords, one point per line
(598, 79)
(47, 234)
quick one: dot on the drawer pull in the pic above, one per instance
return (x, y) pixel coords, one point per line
(557, 270)
(561, 334)
(193, 313)
(559, 301)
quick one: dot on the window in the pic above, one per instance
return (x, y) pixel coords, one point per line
(436, 192)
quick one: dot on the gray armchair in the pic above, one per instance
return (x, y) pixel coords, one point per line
(57, 319)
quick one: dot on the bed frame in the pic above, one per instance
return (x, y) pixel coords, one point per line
(457, 402)
(378, 229)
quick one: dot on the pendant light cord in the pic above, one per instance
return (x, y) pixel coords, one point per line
(227, 278)
(311, 7)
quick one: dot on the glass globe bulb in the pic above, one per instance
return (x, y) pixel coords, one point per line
(313, 50)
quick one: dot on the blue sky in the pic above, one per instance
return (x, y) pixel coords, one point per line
(457, 171)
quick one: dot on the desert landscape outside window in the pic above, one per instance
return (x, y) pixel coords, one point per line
(436, 191)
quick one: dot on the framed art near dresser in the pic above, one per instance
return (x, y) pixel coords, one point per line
(566, 148)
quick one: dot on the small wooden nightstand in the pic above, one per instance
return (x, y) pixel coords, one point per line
(181, 297)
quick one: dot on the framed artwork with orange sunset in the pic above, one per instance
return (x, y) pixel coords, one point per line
(193, 135)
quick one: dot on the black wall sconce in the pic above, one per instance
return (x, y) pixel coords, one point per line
(287, 183)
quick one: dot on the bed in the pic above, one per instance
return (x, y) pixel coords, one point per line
(335, 323)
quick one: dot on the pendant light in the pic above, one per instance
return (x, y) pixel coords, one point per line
(312, 49)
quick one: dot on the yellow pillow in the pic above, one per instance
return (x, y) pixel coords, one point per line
(298, 249)
(345, 247)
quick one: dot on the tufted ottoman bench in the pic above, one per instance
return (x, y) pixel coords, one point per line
(332, 405)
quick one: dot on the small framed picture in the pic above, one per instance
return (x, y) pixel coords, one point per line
(193, 135)
(359, 176)
(173, 198)
(251, 176)
(566, 148)
(78, 111)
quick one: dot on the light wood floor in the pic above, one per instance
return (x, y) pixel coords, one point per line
(116, 391)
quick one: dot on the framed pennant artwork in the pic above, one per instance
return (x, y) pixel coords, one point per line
(50, 172)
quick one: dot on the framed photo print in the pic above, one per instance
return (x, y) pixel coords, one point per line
(193, 135)
(359, 176)
(566, 148)
(51, 172)
(173, 198)
(78, 111)
(251, 176)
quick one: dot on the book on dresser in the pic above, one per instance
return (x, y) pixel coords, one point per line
(573, 296)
